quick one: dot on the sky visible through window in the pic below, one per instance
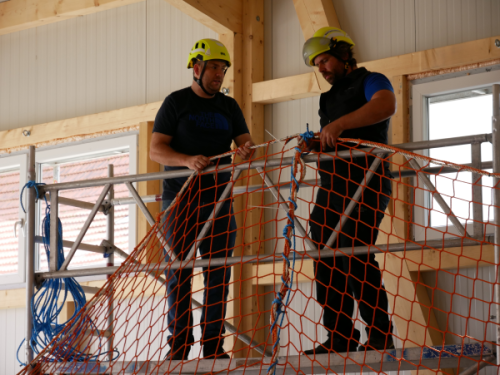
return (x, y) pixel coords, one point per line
(455, 118)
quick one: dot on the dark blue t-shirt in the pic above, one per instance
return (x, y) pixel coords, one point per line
(199, 126)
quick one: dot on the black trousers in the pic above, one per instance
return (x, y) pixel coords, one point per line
(343, 279)
(182, 229)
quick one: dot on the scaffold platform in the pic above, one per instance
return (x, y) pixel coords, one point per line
(469, 355)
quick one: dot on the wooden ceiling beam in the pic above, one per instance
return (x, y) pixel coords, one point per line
(315, 14)
(474, 52)
(78, 128)
(18, 15)
(221, 16)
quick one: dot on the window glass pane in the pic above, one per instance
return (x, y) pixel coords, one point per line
(9, 202)
(73, 218)
(457, 115)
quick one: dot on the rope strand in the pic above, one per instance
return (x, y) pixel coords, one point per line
(278, 307)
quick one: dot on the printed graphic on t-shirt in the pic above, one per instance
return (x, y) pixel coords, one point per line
(210, 120)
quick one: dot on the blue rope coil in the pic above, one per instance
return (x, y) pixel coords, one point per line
(31, 184)
(46, 307)
(280, 311)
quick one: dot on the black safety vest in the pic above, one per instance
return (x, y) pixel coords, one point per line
(344, 97)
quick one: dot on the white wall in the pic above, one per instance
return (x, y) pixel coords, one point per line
(118, 58)
(12, 326)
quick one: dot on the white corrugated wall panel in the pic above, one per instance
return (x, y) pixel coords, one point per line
(286, 39)
(114, 59)
(403, 39)
(380, 28)
(12, 326)
(170, 36)
(445, 22)
(72, 68)
(484, 21)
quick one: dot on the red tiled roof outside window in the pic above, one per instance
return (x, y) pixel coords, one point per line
(9, 208)
(72, 218)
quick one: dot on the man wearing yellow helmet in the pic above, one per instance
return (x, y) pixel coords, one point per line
(358, 105)
(193, 124)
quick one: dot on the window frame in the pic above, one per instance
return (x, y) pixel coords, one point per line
(11, 163)
(420, 92)
(94, 148)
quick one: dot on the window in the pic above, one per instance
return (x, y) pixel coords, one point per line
(447, 109)
(12, 242)
(83, 162)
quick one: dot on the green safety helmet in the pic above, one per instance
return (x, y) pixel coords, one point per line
(323, 40)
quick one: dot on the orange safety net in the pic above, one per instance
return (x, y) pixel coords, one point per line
(310, 248)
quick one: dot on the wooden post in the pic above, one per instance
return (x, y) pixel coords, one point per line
(146, 165)
(249, 300)
(399, 207)
(232, 81)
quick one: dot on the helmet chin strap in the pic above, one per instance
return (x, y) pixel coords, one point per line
(200, 83)
(333, 44)
(346, 67)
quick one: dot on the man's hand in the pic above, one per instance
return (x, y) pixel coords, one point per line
(313, 145)
(245, 152)
(330, 133)
(198, 162)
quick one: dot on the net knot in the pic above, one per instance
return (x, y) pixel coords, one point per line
(305, 139)
(307, 135)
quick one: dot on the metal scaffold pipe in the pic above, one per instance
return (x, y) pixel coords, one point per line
(110, 234)
(265, 163)
(496, 203)
(269, 258)
(304, 184)
(30, 254)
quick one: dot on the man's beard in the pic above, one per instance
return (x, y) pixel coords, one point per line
(330, 78)
(214, 88)
(333, 77)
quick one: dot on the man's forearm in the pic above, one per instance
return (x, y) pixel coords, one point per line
(166, 155)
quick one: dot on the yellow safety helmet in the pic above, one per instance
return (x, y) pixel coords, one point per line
(208, 49)
(322, 41)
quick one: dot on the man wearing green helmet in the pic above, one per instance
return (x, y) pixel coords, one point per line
(193, 124)
(358, 105)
